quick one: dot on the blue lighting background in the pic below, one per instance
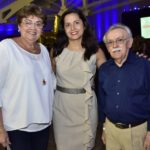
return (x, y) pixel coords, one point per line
(100, 21)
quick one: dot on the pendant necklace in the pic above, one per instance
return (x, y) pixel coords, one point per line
(44, 82)
(34, 50)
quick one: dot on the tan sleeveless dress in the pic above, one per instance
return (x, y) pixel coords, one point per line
(75, 115)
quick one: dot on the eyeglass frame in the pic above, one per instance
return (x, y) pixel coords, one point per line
(29, 24)
(118, 41)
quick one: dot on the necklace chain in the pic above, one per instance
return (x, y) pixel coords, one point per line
(30, 48)
(35, 49)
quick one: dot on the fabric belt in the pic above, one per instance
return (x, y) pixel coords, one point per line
(70, 90)
(125, 126)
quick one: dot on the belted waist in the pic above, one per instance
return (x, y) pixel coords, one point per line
(125, 126)
(70, 90)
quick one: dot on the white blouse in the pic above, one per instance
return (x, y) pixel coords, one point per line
(26, 87)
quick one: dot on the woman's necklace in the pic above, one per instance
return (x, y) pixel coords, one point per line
(42, 64)
(35, 49)
(30, 47)
(44, 82)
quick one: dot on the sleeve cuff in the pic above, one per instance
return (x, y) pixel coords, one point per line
(148, 125)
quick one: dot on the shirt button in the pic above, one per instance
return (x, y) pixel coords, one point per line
(118, 81)
(117, 106)
(118, 93)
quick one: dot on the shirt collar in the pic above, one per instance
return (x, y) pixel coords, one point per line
(130, 58)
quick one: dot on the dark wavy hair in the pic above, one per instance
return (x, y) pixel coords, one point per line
(89, 41)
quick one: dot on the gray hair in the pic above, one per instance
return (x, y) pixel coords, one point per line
(117, 26)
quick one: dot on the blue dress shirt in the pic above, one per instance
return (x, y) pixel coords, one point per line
(124, 92)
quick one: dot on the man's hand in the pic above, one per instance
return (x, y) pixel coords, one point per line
(147, 141)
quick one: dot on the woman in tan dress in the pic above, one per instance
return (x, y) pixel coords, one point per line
(75, 103)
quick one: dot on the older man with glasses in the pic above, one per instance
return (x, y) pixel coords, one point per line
(124, 94)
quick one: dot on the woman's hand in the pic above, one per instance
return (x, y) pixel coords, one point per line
(4, 139)
(103, 137)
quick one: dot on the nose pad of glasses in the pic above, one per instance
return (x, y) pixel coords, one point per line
(33, 25)
(115, 44)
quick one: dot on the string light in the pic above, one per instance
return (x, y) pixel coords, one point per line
(135, 8)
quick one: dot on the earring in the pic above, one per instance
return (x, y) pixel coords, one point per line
(18, 29)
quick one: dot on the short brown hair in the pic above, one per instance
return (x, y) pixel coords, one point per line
(33, 10)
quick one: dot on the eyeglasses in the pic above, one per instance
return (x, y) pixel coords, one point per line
(30, 24)
(117, 41)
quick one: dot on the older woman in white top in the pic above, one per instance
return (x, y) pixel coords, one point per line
(26, 85)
